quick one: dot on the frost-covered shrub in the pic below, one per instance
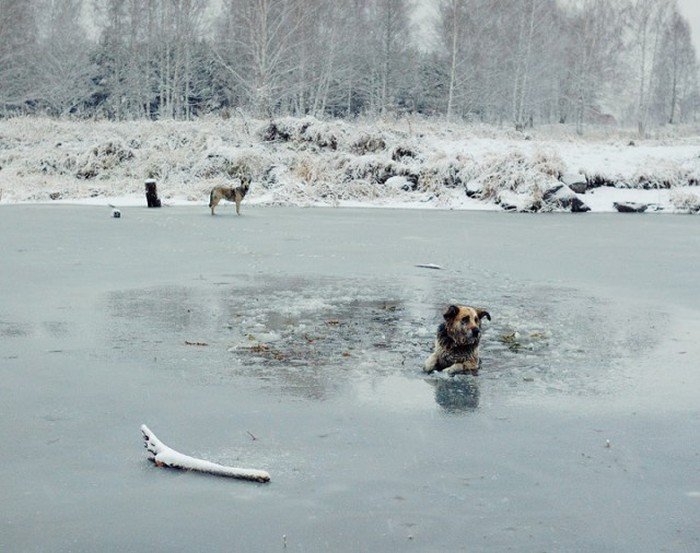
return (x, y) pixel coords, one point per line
(307, 130)
(405, 150)
(520, 183)
(153, 171)
(453, 172)
(272, 176)
(322, 135)
(685, 201)
(55, 165)
(549, 163)
(103, 157)
(368, 144)
(277, 131)
(369, 167)
(396, 184)
(663, 174)
(307, 169)
(231, 164)
(501, 172)
(217, 165)
(596, 180)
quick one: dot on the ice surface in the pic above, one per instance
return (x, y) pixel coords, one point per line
(593, 338)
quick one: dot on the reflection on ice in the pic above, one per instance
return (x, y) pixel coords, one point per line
(459, 394)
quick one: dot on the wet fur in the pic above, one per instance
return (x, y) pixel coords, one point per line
(236, 195)
(457, 342)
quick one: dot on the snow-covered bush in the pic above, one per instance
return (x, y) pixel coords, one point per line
(549, 163)
(685, 201)
(302, 131)
(449, 172)
(406, 150)
(368, 167)
(367, 144)
(103, 157)
(663, 174)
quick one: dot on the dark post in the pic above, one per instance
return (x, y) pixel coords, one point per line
(152, 193)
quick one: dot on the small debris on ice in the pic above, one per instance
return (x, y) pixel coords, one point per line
(429, 266)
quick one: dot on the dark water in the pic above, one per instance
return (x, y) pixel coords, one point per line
(292, 340)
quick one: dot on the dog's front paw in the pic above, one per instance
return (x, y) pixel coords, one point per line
(457, 368)
(430, 364)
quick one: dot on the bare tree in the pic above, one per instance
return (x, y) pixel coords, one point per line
(453, 21)
(648, 21)
(676, 70)
(256, 43)
(388, 34)
(594, 54)
(18, 41)
(63, 67)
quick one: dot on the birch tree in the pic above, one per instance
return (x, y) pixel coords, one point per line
(256, 48)
(648, 21)
(676, 70)
(594, 55)
(390, 39)
(453, 20)
(175, 29)
(534, 27)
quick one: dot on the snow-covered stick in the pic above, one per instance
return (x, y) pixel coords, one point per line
(163, 456)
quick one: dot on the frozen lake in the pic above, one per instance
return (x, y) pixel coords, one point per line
(316, 323)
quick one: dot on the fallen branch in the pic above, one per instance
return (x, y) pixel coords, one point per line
(163, 456)
(188, 343)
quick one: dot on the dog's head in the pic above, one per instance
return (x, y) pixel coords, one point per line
(463, 323)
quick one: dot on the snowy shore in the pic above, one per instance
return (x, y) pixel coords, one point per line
(405, 163)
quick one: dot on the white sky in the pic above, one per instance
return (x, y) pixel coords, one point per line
(691, 10)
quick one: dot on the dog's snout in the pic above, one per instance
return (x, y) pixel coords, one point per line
(476, 331)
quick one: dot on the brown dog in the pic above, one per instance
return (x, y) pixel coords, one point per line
(457, 342)
(236, 194)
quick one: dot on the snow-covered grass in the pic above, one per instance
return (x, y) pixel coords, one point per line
(305, 161)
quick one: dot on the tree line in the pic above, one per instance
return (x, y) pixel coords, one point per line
(520, 63)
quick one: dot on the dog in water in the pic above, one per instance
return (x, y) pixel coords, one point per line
(236, 194)
(457, 342)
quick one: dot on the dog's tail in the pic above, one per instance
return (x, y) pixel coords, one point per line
(211, 197)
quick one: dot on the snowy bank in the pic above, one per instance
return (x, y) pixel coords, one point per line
(420, 163)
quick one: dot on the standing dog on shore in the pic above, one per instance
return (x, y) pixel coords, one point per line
(457, 342)
(236, 194)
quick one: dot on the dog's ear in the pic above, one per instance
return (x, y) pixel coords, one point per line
(481, 313)
(451, 312)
